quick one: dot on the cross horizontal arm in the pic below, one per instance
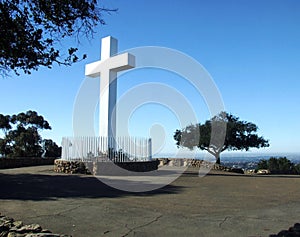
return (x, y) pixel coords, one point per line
(116, 63)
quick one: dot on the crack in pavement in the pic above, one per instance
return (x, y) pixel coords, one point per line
(140, 226)
(56, 214)
(224, 220)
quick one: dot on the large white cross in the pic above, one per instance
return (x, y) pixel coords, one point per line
(107, 69)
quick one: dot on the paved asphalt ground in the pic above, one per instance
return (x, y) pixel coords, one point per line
(219, 204)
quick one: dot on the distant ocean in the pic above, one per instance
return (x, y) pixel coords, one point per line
(238, 157)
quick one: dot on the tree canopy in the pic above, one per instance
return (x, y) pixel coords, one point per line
(22, 138)
(229, 133)
(31, 31)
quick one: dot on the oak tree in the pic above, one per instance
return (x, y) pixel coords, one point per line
(220, 133)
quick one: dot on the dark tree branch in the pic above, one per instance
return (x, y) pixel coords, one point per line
(31, 31)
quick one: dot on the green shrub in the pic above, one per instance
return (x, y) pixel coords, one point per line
(280, 165)
(262, 165)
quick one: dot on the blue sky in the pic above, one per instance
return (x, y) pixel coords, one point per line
(250, 48)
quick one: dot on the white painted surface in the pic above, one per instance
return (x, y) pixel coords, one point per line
(107, 69)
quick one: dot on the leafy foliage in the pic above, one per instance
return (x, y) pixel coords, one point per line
(22, 138)
(280, 165)
(262, 165)
(51, 148)
(5, 123)
(297, 168)
(31, 30)
(222, 132)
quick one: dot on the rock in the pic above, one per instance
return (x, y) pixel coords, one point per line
(297, 227)
(11, 228)
(284, 233)
(291, 232)
(196, 163)
(14, 234)
(262, 171)
(3, 233)
(6, 222)
(17, 224)
(5, 225)
(43, 235)
(70, 167)
(3, 228)
(30, 228)
(251, 171)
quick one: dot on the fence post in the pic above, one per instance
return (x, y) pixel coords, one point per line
(83, 148)
(150, 149)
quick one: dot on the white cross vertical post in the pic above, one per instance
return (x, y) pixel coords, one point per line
(107, 69)
(108, 90)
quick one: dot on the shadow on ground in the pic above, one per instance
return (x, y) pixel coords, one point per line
(255, 175)
(50, 187)
(194, 173)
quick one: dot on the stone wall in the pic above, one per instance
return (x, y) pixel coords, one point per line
(70, 167)
(103, 168)
(178, 162)
(108, 168)
(11, 228)
(7, 163)
(196, 163)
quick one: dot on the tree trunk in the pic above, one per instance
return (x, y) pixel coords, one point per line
(218, 160)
